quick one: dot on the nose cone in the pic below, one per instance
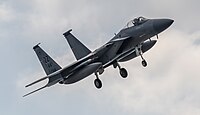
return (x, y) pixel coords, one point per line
(161, 24)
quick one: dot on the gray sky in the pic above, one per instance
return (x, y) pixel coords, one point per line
(168, 86)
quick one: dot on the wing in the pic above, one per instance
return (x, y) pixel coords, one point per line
(112, 53)
(120, 39)
(112, 50)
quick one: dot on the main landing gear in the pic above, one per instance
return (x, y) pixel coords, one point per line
(97, 81)
(123, 72)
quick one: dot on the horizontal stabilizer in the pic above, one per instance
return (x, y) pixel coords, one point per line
(36, 81)
(35, 91)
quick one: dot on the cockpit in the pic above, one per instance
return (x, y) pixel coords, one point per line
(135, 22)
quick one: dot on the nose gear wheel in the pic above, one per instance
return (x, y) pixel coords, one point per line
(144, 63)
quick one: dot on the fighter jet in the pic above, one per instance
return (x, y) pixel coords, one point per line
(132, 41)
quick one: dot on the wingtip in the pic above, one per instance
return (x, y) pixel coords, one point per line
(67, 33)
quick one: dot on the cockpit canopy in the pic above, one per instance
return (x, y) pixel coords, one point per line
(135, 22)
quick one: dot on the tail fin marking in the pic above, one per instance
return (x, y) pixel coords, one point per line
(47, 62)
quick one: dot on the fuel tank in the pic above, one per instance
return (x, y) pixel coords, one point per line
(132, 54)
(82, 73)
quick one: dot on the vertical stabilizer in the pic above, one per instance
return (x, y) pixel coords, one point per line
(49, 65)
(79, 49)
(47, 62)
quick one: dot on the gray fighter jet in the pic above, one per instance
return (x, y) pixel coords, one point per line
(132, 41)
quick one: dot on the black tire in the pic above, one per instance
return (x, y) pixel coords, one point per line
(98, 83)
(144, 63)
(123, 72)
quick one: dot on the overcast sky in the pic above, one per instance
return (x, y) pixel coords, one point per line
(169, 85)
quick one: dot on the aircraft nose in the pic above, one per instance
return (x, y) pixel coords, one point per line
(161, 24)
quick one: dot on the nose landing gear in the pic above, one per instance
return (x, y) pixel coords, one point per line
(144, 62)
(138, 51)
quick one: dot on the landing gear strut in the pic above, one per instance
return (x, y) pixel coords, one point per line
(138, 50)
(97, 81)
